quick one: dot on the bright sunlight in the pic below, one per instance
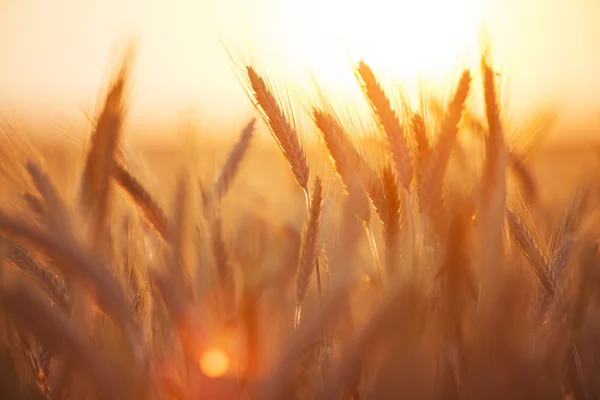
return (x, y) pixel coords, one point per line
(62, 55)
(405, 39)
(214, 363)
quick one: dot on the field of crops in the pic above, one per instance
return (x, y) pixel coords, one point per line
(418, 252)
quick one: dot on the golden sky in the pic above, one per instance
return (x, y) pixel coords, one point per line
(56, 54)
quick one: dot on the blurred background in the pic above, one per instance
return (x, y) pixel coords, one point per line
(187, 102)
(56, 55)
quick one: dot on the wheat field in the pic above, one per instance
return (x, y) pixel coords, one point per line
(444, 255)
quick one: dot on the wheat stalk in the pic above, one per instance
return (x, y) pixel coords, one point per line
(391, 224)
(398, 307)
(491, 210)
(419, 129)
(310, 247)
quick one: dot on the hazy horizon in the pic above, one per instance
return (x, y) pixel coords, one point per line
(57, 55)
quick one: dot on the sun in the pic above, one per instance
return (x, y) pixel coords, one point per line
(407, 40)
(214, 362)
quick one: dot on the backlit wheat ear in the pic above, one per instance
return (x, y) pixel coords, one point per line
(374, 188)
(561, 246)
(142, 198)
(286, 136)
(433, 178)
(567, 235)
(569, 222)
(310, 246)
(342, 151)
(235, 157)
(345, 156)
(562, 243)
(533, 252)
(103, 144)
(350, 164)
(37, 370)
(389, 121)
(515, 159)
(51, 284)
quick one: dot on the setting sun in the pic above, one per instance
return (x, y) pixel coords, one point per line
(406, 38)
(56, 58)
(214, 363)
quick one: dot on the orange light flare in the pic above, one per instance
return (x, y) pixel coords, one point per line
(210, 343)
(215, 362)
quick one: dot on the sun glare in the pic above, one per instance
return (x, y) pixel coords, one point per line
(214, 363)
(408, 40)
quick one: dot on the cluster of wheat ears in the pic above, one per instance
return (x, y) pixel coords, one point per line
(468, 298)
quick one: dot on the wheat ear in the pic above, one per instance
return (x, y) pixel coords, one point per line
(433, 178)
(389, 121)
(142, 198)
(341, 150)
(100, 161)
(235, 157)
(50, 283)
(561, 246)
(284, 133)
(521, 234)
